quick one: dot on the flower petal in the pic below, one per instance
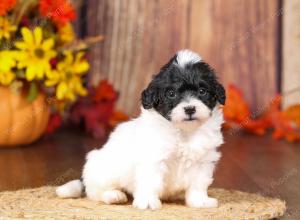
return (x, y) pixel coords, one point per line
(38, 34)
(21, 45)
(61, 90)
(81, 67)
(40, 68)
(79, 56)
(27, 35)
(50, 82)
(48, 44)
(30, 73)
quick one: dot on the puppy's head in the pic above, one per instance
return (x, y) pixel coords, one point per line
(185, 90)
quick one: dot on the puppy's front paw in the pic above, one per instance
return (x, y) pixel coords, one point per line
(114, 197)
(202, 202)
(147, 202)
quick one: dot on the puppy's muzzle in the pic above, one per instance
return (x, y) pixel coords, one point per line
(190, 111)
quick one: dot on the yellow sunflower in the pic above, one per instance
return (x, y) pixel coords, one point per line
(6, 28)
(7, 62)
(67, 76)
(36, 53)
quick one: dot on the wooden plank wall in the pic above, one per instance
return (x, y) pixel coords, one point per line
(291, 52)
(239, 38)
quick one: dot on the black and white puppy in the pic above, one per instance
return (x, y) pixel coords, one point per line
(170, 149)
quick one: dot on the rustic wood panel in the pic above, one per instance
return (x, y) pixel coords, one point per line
(239, 38)
(291, 52)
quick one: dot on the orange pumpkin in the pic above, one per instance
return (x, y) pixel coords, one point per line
(21, 122)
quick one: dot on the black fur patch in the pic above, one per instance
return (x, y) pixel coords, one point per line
(197, 80)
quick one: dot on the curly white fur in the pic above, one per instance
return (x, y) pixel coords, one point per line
(185, 57)
(153, 159)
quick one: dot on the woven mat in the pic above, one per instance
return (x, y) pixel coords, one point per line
(41, 203)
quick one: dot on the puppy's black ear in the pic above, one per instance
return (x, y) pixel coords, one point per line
(220, 93)
(149, 97)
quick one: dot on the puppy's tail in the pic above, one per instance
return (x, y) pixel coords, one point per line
(72, 189)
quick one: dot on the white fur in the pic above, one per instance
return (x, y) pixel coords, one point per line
(185, 57)
(202, 111)
(154, 159)
(72, 189)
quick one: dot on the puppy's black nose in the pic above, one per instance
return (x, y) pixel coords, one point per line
(190, 110)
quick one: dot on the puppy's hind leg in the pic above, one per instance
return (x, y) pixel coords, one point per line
(102, 184)
(72, 189)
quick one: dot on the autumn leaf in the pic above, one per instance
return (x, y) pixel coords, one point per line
(285, 124)
(237, 112)
(54, 123)
(105, 91)
(97, 110)
(293, 114)
(256, 126)
(281, 123)
(117, 117)
(236, 107)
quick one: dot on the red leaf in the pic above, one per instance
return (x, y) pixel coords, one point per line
(236, 107)
(97, 111)
(59, 11)
(282, 124)
(117, 117)
(6, 5)
(285, 124)
(104, 92)
(293, 114)
(54, 123)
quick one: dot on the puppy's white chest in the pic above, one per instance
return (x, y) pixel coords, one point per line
(179, 167)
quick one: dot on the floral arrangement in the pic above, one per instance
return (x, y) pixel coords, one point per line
(39, 53)
(96, 112)
(38, 49)
(285, 124)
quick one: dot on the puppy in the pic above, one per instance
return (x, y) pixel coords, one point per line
(169, 150)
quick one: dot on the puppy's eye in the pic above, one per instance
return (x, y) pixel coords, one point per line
(171, 93)
(202, 91)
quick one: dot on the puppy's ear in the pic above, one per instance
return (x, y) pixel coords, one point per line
(149, 97)
(220, 93)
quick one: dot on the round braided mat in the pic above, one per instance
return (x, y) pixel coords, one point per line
(42, 203)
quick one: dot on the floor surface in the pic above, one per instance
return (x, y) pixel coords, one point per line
(249, 163)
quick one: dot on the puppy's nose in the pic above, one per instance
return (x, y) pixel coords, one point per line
(189, 110)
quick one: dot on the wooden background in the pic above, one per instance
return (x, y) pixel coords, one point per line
(241, 39)
(291, 51)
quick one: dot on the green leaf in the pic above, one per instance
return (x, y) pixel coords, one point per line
(33, 92)
(20, 74)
